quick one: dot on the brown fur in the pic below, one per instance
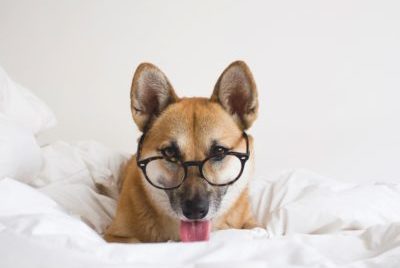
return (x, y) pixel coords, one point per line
(192, 121)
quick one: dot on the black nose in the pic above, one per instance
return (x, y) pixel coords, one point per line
(196, 208)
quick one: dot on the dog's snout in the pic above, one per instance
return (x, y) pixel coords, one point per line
(196, 208)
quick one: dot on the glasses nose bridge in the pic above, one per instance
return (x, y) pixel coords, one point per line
(192, 163)
(188, 164)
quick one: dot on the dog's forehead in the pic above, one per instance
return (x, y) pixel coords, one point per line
(204, 118)
(194, 123)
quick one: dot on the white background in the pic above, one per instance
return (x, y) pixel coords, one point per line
(328, 72)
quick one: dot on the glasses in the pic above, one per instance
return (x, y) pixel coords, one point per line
(220, 169)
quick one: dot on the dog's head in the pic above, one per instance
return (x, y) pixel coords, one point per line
(193, 129)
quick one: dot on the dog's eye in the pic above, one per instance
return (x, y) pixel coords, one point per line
(218, 152)
(171, 153)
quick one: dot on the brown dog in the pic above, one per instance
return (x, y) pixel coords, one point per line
(194, 161)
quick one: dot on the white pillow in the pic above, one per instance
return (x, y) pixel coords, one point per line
(20, 155)
(22, 106)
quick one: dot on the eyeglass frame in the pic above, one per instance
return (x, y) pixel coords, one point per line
(243, 157)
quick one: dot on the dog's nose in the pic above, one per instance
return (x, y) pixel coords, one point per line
(196, 208)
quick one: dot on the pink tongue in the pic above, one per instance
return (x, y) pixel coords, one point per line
(195, 230)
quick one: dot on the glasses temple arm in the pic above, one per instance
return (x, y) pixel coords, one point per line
(139, 147)
(247, 143)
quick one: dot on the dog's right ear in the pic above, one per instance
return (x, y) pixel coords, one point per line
(236, 91)
(151, 93)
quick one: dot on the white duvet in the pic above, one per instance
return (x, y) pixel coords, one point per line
(309, 220)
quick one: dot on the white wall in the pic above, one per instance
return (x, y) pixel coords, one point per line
(328, 72)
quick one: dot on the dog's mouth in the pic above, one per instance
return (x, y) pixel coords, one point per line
(191, 231)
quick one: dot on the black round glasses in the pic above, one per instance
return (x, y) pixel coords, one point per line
(220, 169)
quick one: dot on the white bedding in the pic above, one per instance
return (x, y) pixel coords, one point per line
(310, 221)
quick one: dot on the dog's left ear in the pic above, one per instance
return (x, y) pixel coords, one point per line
(151, 93)
(236, 91)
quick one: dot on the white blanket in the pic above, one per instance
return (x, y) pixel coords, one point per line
(310, 221)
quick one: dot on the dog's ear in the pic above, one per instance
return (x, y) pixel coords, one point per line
(151, 93)
(237, 93)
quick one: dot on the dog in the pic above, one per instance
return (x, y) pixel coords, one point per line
(194, 160)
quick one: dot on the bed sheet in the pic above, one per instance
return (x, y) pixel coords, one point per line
(309, 221)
